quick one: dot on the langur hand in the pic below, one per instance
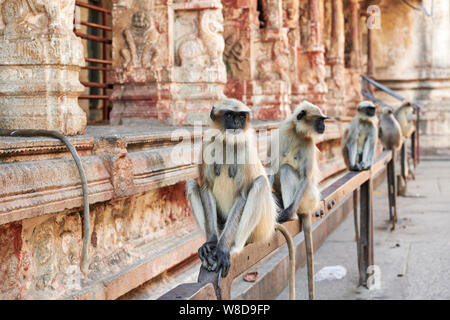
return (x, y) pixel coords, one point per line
(207, 254)
(223, 260)
(365, 166)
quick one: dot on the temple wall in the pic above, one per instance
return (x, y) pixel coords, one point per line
(411, 56)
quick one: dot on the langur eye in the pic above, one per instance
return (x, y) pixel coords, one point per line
(228, 115)
(301, 115)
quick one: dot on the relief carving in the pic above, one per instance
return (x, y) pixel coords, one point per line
(211, 33)
(271, 14)
(207, 48)
(140, 39)
(235, 55)
(290, 13)
(35, 16)
(276, 68)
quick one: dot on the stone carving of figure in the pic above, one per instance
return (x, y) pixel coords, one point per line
(290, 12)
(207, 48)
(271, 13)
(280, 55)
(24, 16)
(235, 54)
(278, 66)
(211, 30)
(140, 39)
(192, 53)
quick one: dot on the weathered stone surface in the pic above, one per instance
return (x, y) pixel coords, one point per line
(40, 59)
(167, 60)
(418, 65)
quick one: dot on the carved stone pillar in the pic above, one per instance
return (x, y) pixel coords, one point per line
(40, 60)
(335, 60)
(355, 21)
(353, 81)
(311, 63)
(257, 56)
(167, 60)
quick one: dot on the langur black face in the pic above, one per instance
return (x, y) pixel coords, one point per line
(230, 120)
(319, 125)
(370, 111)
(314, 120)
(234, 120)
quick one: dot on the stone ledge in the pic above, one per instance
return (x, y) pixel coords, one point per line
(38, 176)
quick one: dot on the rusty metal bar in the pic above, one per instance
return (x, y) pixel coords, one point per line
(403, 161)
(88, 96)
(366, 229)
(105, 73)
(94, 84)
(95, 25)
(92, 7)
(392, 192)
(93, 38)
(102, 61)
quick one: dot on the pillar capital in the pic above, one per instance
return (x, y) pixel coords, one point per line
(40, 60)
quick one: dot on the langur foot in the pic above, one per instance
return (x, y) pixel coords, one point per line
(223, 261)
(207, 256)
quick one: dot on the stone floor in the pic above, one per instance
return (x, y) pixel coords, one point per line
(413, 260)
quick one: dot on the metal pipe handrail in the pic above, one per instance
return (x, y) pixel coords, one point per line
(387, 90)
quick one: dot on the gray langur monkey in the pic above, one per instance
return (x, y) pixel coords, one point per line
(296, 183)
(360, 138)
(233, 204)
(389, 132)
(405, 117)
(358, 148)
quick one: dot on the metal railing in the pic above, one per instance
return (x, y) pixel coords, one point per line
(100, 63)
(207, 287)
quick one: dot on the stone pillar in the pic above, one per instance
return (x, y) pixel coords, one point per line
(167, 60)
(335, 60)
(40, 60)
(353, 80)
(311, 63)
(355, 21)
(257, 55)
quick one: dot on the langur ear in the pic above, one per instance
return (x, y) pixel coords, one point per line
(301, 115)
(211, 114)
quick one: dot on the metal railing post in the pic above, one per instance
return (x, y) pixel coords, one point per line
(366, 229)
(392, 192)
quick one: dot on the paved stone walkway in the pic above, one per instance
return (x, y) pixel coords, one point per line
(414, 260)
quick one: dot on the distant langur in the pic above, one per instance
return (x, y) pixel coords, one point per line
(233, 204)
(405, 117)
(296, 183)
(389, 132)
(360, 138)
(358, 148)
